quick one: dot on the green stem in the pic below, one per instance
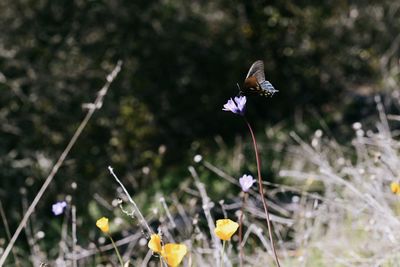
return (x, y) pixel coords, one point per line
(116, 250)
(261, 190)
(222, 254)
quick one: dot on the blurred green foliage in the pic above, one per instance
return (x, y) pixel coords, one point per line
(182, 60)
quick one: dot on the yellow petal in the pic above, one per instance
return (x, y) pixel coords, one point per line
(173, 254)
(225, 229)
(155, 243)
(102, 223)
(395, 187)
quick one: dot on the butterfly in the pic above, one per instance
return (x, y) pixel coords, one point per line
(255, 82)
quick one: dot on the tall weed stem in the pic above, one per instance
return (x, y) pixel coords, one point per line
(261, 190)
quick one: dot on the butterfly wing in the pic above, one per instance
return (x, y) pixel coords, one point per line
(267, 89)
(257, 70)
(255, 81)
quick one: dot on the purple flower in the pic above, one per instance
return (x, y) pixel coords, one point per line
(58, 208)
(236, 105)
(246, 181)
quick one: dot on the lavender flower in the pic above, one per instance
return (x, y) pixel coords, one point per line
(58, 208)
(246, 181)
(236, 105)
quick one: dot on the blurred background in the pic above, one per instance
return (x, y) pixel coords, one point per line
(181, 62)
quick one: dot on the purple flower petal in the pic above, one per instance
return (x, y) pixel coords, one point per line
(246, 182)
(241, 102)
(58, 208)
(230, 106)
(236, 105)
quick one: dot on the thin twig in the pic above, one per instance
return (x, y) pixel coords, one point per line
(83, 254)
(35, 253)
(169, 216)
(142, 220)
(206, 204)
(74, 238)
(241, 228)
(96, 105)
(7, 229)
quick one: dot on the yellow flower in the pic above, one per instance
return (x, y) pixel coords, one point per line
(173, 254)
(225, 229)
(155, 243)
(395, 187)
(102, 223)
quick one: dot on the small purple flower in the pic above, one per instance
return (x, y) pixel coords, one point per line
(58, 208)
(246, 181)
(236, 105)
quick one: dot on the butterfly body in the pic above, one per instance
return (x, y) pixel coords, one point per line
(255, 82)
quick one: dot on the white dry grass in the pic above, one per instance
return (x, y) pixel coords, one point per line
(355, 221)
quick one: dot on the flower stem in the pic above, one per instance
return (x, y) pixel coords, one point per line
(116, 250)
(241, 229)
(261, 190)
(222, 253)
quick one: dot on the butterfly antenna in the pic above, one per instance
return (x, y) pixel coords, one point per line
(238, 86)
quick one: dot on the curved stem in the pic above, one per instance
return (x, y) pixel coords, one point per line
(261, 190)
(116, 250)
